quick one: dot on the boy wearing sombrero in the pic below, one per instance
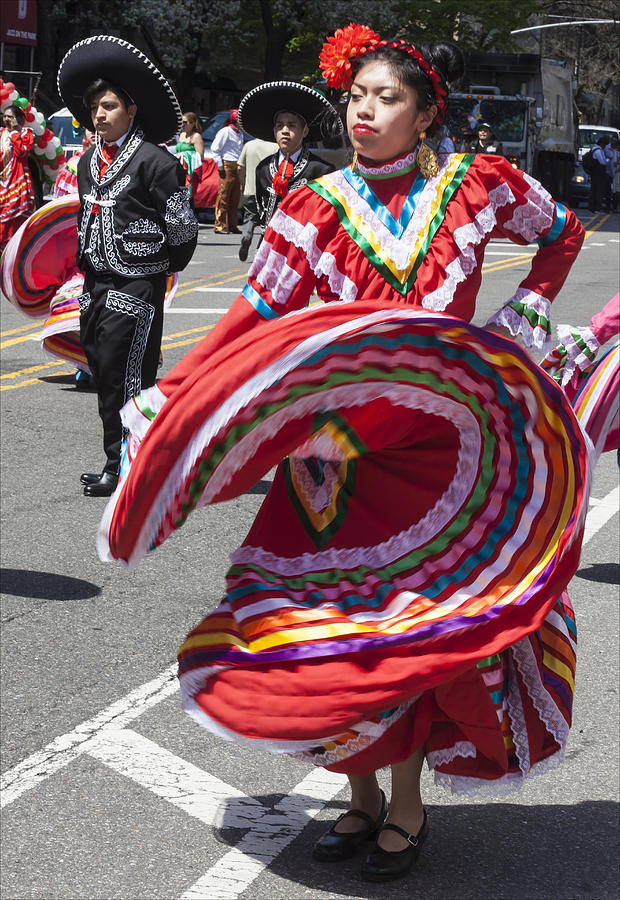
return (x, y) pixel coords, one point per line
(134, 228)
(291, 113)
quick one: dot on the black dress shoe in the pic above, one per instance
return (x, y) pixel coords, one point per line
(386, 865)
(244, 248)
(336, 845)
(103, 487)
(90, 477)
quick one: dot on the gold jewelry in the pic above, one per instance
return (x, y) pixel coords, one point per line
(354, 161)
(427, 158)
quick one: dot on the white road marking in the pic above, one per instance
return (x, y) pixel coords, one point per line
(595, 244)
(64, 749)
(270, 834)
(91, 736)
(191, 789)
(201, 310)
(600, 513)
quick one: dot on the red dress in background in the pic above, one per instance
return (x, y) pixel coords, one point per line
(16, 193)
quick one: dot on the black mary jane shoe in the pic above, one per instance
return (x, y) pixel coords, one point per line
(386, 865)
(336, 845)
(103, 487)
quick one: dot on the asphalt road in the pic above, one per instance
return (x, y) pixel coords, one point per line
(111, 791)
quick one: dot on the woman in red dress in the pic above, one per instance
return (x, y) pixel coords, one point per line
(355, 630)
(16, 193)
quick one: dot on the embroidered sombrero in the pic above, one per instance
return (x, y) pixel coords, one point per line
(259, 107)
(123, 65)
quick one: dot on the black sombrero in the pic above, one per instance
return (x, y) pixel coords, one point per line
(259, 107)
(122, 64)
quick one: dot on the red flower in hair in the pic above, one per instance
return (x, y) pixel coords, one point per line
(338, 51)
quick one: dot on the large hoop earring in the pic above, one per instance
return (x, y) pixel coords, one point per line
(427, 158)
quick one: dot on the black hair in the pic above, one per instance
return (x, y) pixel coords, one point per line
(446, 59)
(98, 86)
(18, 112)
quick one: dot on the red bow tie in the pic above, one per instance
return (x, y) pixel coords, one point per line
(108, 151)
(281, 178)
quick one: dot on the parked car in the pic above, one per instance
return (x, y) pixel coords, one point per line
(61, 123)
(579, 191)
(214, 124)
(589, 135)
(580, 182)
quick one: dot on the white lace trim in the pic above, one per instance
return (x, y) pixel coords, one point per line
(466, 237)
(318, 496)
(527, 665)
(577, 360)
(321, 262)
(274, 274)
(446, 755)
(533, 335)
(498, 787)
(368, 733)
(392, 168)
(535, 217)
(138, 422)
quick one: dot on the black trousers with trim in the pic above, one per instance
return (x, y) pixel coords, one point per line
(121, 323)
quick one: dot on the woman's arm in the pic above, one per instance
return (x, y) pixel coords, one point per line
(533, 216)
(198, 143)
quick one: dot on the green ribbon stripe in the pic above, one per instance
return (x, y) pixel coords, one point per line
(366, 247)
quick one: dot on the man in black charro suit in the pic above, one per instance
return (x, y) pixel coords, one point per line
(135, 224)
(292, 113)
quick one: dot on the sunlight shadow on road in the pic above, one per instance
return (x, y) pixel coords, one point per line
(45, 585)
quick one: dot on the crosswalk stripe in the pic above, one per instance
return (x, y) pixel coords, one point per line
(236, 870)
(64, 749)
(181, 783)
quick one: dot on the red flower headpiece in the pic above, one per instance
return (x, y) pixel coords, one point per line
(357, 40)
(339, 49)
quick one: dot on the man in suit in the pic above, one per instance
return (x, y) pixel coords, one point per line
(293, 114)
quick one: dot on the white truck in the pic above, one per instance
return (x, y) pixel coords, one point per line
(528, 101)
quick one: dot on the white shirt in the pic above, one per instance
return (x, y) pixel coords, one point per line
(227, 145)
(293, 157)
(598, 155)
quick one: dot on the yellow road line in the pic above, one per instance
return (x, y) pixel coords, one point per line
(10, 387)
(598, 225)
(31, 369)
(495, 267)
(18, 340)
(176, 334)
(190, 341)
(236, 277)
(17, 330)
(7, 387)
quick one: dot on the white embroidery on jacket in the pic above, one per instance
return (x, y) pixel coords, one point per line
(143, 313)
(130, 237)
(180, 221)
